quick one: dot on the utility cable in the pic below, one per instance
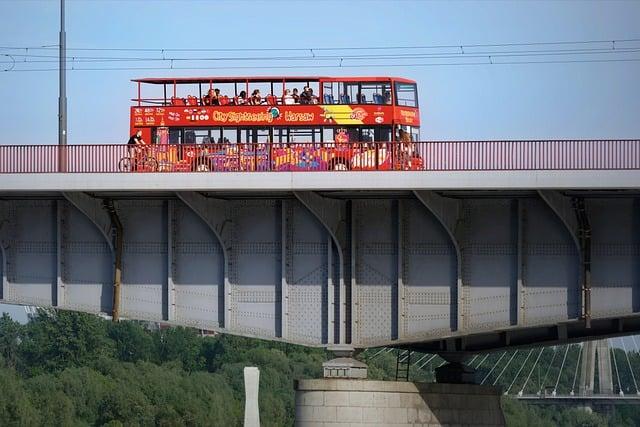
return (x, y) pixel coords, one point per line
(328, 48)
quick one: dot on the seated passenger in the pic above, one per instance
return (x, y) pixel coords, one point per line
(208, 98)
(312, 98)
(295, 96)
(305, 96)
(256, 98)
(242, 98)
(287, 98)
(216, 98)
(387, 97)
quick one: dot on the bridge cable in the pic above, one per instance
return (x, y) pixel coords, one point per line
(546, 374)
(482, 361)
(555, 387)
(633, 376)
(575, 377)
(494, 367)
(635, 343)
(615, 365)
(424, 355)
(518, 373)
(531, 371)
(427, 362)
(505, 367)
(420, 359)
(376, 355)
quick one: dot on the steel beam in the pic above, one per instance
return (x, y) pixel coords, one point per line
(214, 213)
(332, 214)
(563, 208)
(331, 301)
(402, 315)
(520, 264)
(5, 225)
(58, 301)
(93, 209)
(171, 262)
(285, 266)
(447, 212)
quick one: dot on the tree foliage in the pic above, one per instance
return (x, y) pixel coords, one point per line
(73, 369)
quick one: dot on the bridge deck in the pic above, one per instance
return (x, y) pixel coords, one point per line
(294, 181)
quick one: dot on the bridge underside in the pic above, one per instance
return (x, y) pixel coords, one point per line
(437, 271)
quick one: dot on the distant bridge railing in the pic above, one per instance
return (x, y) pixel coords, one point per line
(370, 156)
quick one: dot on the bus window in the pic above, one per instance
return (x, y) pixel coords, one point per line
(328, 134)
(304, 135)
(228, 135)
(175, 136)
(255, 135)
(406, 95)
(375, 93)
(330, 94)
(411, 130)
(196, 135)
(348, 93)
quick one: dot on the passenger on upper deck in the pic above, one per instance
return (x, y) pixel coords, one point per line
(287, 98)
(305, 96)
(242, 98)
(296, 97)
(209, 97)
(256, 98)
(387, 97)
(314, 99)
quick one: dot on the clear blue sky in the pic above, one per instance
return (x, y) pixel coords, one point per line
(580, 100)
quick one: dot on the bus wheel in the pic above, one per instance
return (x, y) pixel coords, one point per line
(339, 165)
(124, 165)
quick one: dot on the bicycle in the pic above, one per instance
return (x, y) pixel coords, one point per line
(138, 160)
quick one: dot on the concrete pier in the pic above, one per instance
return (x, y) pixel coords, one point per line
(251, 386)
(333, 402)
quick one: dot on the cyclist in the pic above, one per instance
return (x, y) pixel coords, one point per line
(135, 145)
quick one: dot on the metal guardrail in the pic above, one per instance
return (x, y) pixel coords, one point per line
(372, 156)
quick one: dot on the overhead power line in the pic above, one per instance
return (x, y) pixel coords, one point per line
(337, 48)
(586, 51)
(489, 61)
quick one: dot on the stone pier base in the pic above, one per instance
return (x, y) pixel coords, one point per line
(351, 403)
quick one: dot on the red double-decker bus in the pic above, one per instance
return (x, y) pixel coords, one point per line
(278, 123)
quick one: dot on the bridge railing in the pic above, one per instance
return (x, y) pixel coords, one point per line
(273, 157)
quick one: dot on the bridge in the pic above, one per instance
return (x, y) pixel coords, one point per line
(596, 375)
(488, 245)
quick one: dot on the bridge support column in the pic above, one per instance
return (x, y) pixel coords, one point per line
(455, 371)
(331, 402)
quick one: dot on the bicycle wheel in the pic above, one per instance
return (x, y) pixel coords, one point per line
(124, 165)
